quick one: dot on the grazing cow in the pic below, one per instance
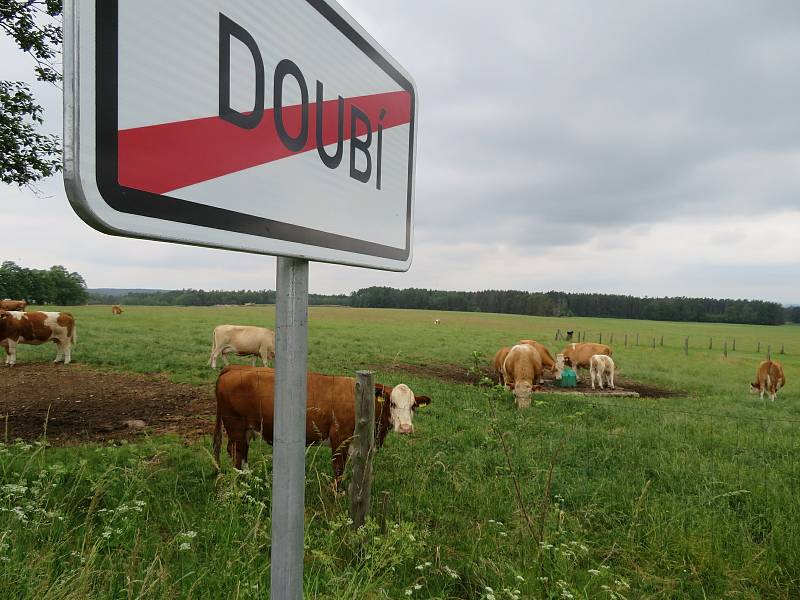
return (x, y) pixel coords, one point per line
(602, 367)
(521, 370)
(246, 399)
(18, 327)
(116, 309)
(769, 379)
(436, 322)
(578, 355)
(497, 362)
(13, 305)
(548, 362)
(243, 340)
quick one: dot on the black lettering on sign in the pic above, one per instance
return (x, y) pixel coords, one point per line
(227, 30)
(330, 161)
(285, 68)
(356, 115)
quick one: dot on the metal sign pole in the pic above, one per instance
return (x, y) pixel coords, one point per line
(289, 434)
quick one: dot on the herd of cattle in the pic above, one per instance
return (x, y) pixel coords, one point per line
(245, 395)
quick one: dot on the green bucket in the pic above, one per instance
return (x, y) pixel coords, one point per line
(568, 379)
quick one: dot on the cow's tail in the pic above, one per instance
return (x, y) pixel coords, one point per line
(73, 336)
(769, 382)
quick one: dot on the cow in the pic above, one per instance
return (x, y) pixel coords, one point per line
(548, 362)
(436, 322)
(521, 370)
(116, 309)
(769, 379)
(601, 367)
(246, 399)
(579, 354)
(10, 305)
(497, 362)
(243, 340)
(18, 327)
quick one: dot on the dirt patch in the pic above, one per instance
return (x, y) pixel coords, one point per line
(461, 375)
(79, 405)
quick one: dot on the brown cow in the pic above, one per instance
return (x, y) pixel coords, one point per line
(521, 370)
(116, 309)
(37, 328)
(245, 401)
(13, 304)
(497, 362)
(580, 355)
(769, 379)
(548, 362)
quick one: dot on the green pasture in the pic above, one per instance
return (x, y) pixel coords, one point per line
(695, 496)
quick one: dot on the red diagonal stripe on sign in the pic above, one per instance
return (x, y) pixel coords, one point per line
(166, 157)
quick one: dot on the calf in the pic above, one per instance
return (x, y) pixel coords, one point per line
(116, 309)
(769, 379)
(37, 328)
(246, 400)
(521, 370)
(600, 367)
(243, 340)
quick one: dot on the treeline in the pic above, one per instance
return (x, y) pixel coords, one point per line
(563, 304)
(550, 304)
(191, 297)
(37, 286)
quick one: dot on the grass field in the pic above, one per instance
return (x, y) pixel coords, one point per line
(693, 496)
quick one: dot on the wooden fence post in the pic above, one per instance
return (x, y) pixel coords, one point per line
(601, 337)
(769, 352)
(384, 508)
(686, 346)
(759, 348)
(363, 446)
(662, 341)
(637, 339)
(611, 341)
(782, 352)
(654, 343)
(626, 340)
(725, 351)
(734, 344)
(710, 343)
(558, 335)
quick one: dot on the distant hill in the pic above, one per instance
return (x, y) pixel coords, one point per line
(121, 291)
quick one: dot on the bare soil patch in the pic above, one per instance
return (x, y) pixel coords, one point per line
(77, 404)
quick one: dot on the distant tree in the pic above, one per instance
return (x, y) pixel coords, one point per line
(26, 155)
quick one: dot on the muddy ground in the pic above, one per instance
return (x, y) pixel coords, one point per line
(75, 404)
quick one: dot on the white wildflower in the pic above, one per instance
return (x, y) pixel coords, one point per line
(184, 546)
(594, 571)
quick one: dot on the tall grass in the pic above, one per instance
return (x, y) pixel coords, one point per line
(687, 497)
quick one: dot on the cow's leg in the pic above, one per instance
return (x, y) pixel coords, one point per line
(592, 374)
(11, 349)
(67, 352)
(214, 355)
(60, 352)
(611, 378)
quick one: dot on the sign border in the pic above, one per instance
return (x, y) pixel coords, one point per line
(167, 208)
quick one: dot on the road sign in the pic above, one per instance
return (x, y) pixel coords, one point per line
(276, 127)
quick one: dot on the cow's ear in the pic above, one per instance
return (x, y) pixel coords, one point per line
(382, 392)
(420, 401)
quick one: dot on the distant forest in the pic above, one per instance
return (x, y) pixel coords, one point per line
(53, 286)
(551, 304)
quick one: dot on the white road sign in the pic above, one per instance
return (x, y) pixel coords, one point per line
(276, 127)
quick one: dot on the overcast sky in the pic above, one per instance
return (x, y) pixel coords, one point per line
(638, 147)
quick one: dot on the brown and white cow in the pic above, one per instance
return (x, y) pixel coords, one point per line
(246, 400)
(243, 340)
(522, 369)
(497, 362)
(13, 305)
(769, 379)
(18, 327)
(548, 362)
(579, 354)
(116, 309)
(601, 367)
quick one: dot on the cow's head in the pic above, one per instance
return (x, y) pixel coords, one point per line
(402, 404)
(522, 393)
(755, 388)
(558, 369)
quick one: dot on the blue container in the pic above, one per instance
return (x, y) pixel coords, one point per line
(568, 379)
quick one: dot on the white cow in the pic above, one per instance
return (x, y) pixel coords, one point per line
(243, 340)
(602, 366)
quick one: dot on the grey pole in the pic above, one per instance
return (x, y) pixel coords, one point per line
(289, 434)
